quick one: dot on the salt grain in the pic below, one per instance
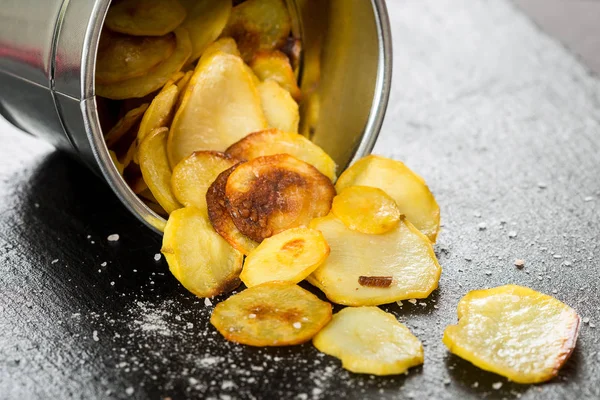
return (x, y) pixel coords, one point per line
(412, 301)
(129, 391)
(482, 226)
(207, 302)
(519, 263)
(446, 381)
(157, 257)
(497, 385)
(512, 234)
(95, 336)
(557, 256)
(592, 325)
(586, 320)
(54, 261)
(113, 238)
(297, 325)
(252, 316)
(112, 283)
(588, 199)
(104, 264)
(542, 185)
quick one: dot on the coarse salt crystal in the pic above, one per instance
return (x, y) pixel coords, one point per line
(103, 264)
(482, 226)
(412, 301)
(497, 385)
(157, 257)
(113, 238)
(252, 316)
(297, 325)
(54, 261)
(95, 336)
(207, 302)
(586, 320)
(129, 391)
(588, 198)
(512, 234)
(519, 263)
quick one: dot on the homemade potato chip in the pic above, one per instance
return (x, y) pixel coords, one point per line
(155, 78)
(145, 18)
(205, 22)
(370, 341)
(221, 219)
(122, 57)
(279, 107)
(273, 141)
(268, 195)
(271, 314)
(183, 85)
(160, 112)
(156, 170)
(220, 107)
(413, 197)
(201, 260)
(515, 332)
(226, 45)
(115, 161)
(368, 270)
(366, 209)
(194, 174)
(276, 66)
(259, 25)
(124, 125)
(289, 256)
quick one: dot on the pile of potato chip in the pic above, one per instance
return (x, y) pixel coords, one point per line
(208, 137)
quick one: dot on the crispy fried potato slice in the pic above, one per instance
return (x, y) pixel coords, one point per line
(366, 209)
(201, 260)
(194, 174)
(124, 125)
(412, 195)
(122, 57)
(220, 107)
(155, 78)
(268, 195)
(130, 154)
(403, 256)
(160, 112)
(156, 170)
(145, 18)
(226, 45)
(370, 341)
(279, 107)
(271, 314)
(116, 161)
(183, 85)
(158, 209)
(515, 332)
(221, 219)
(276, 66)
(259, 25)
(289, 256)
(273, 141)
(205, 21)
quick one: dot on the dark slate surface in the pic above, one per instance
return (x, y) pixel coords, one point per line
(502, 122)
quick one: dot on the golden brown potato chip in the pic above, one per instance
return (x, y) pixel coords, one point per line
(155, 78)
(205, 22)
(183, 85)
(273, 141)
(201, 260)
(220, 107)
(289, 256)
(409, 190)
(124, 125)
(194, 174)
(370, 341)
(271, 314)
(122, 57)
(366, 209)
(403, 254)
(156, 170)
(221, 219)
(279, 107)
(276, 66)
(514, 331)
(160, 112)
(144, 17)
(259, 25)
(268, 195)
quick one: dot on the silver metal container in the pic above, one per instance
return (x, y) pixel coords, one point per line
(48, 59)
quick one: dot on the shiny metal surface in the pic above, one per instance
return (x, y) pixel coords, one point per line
(345, 75)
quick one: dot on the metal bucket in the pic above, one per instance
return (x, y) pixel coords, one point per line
(48, 58)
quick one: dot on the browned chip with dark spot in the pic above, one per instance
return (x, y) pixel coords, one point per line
(375, 281)
(219, 215)
(268, 195)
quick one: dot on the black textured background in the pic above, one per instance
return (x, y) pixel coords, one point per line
(502, 122)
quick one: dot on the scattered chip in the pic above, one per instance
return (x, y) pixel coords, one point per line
(515, 332)
(122, 57)
(155, 78)
(221, 106)
(221, 219)
(259, 25)
(194, 174)
(279, 107)
(201, 260)
(413, 197)
(276, 66)
(366, 209)
(273, 141)
(289, 256)
(156, 170)
(403, 253)
(270, 194)
(370, 341)
(271, 314)
(145, 18)
(205, 22)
